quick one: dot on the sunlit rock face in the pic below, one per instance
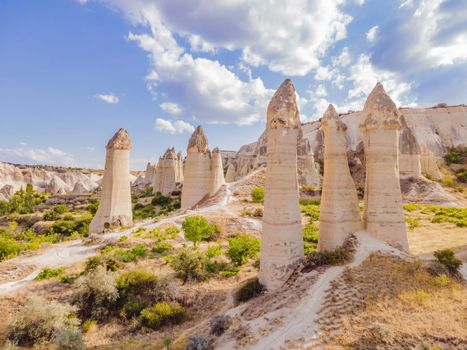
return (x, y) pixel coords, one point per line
(166, 173)
(339, 211)
(115, 202)
(409, 152)
(230, 174)
(203, 171)
(282, 243)
(384, 215)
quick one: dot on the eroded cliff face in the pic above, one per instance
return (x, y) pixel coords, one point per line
(426, 134)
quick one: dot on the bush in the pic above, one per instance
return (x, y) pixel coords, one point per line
(23, 201)
(454, 155)
(188, 265)
(447, 258)
(249, 290)
(242, 247)
(131, 254)
(96, 294)
(138, 289)
(339, 256)
(461, 175)
(197, 228)
(93, 206)
(9, 247)
(198, 343)
(160, 200)
(162, 248)
(310, 238)
(47, 273)
(39, 321)
(163, 313)
(219, 324)
(69, 339)
(257, 194)
(312, 211)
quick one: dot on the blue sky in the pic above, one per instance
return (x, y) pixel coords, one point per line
(74, 71)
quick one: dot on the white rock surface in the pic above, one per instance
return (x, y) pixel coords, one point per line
(282, 242)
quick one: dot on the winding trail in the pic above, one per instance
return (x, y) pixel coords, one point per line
(71, 252)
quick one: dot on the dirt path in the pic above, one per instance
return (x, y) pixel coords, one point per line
(71, 252)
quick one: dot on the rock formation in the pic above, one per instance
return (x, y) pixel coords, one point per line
(429, 165)
(409, 152)
(166, 173)
(282, 242)
(384, 214)
(217, 172)
(339, 211)
(149, 174)
(199, 178)
(179, 175)
(308, 171)
(230, 174)
(115, 203)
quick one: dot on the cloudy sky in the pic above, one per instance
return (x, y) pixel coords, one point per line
(74, 71)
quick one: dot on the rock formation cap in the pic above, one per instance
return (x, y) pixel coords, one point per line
(216, 150)
(121, 140)
(380, 111)
(169, 154)
(282, 109)
(331, 119)
(198, 141)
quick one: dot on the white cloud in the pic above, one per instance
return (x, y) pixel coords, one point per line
(321, 91)
(343, 59)
(372, 34)
(107, 98)
(171, 108)
(49, 155)
(359, 2)
(177, 127)
(364, 77)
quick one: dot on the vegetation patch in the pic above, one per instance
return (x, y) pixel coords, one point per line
(249, 290)
(257, 194)
(242, 248)
(163, 313)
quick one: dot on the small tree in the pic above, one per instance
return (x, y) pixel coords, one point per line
(447, 258)
(242, 247)
(188, 264)
(257, 194)
(197, 228)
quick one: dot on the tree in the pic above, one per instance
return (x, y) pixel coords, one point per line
(197, 228)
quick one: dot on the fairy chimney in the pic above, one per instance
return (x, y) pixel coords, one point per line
(384, 215)
(217, 172)
(282, 242)
(339, 211)
(115, 203)
(166, 173)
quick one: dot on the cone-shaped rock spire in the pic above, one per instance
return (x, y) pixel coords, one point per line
(198, 141)
(339, 213)
(384, 215)
(282, 242)
(115, 203)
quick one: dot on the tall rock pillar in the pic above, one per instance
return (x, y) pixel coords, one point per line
(217, 171)
(166, 173)
(197, 173)
(282, 242)
(179, 167)
(339, 212)
(384, 214)
(115, 203)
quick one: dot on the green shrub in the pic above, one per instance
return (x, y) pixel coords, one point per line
(462, 175)
(339, 256)
(47, 273)
(162, 248)
(39, 321)
(69, 339)
(138, 289)
(447, 258)
(188, 265)
(310, 238)
(93, 206)
(23, 201)
(257, 194)
(412, 223)
(312, 211)
(71, 226)
(249, 290)
(171, 232)
(96, 294)
(411, 207)
(51, 216)
(242, 248)
(9, 248)
(163, 313)
(197, 228)
(60, 208)
(160, 200)
(454, 155)
(130, 254)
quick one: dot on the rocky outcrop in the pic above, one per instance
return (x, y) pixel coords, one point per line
(429, 164)
(149, 174)
(179, 173)
(217, 172)
(80, 188)
(115, 202)
(203, 174)
(409, 152)
(339, 211)
(384, 214)
(6, 192)
(49, 179)
(282, 242)
(230, 174)
(166, 173)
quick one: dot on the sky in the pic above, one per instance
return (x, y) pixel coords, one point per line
(72, 72)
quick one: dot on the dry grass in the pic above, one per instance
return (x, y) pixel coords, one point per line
(389, 303)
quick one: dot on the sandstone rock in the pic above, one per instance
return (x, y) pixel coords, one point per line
(384, 214)
(115, 203)
(217, 172)
(429, 165)
(6, 192)
(166, 172)
(197, 173)
(282, 242)
(149, 174)
(80, 188)
(409, 152)
(179, 174)
(56, 186)
(230, 174)
(339, 211)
